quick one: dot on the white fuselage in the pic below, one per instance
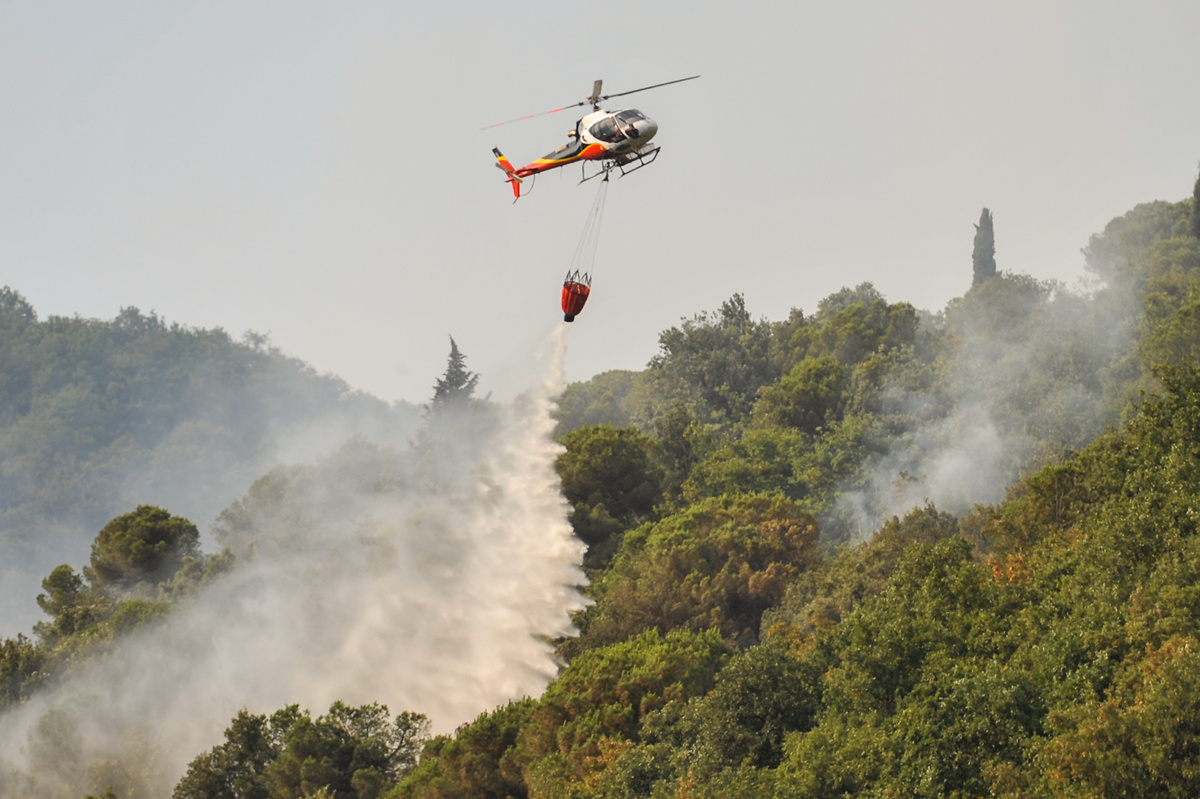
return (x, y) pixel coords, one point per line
(619, 131)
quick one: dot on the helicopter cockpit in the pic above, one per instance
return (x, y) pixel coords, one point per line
(628, 120)
(624, 126)
(607, 130)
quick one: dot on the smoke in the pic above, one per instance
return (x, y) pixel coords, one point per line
(429, 579)
(1032, 371)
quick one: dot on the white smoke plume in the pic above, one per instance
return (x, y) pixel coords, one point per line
(1034, 371)
(429, 580)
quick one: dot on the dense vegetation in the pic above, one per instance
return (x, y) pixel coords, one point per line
(97, 417)
(795, 591)
(1043, 645)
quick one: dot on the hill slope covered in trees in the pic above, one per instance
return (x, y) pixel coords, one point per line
(1040, 644)
(98, 416)
(865, 551)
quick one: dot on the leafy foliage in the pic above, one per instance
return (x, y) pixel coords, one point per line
(718, 564)
(558, 745)
(612, 480)
(148, 544)
(808, 398)
(713, 363)
(349, 753)
(1044, 645)
(1121, 243)
(600, 400)
(478, 761)
(98, 416)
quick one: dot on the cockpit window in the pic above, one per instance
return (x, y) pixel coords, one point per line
(632, 115)
(606, 130)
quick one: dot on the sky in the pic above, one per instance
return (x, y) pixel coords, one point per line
(316, 171)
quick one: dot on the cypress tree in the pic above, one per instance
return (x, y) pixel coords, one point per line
(1196, 208)
(983, 260)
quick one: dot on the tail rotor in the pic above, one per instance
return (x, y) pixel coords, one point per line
(506, 166)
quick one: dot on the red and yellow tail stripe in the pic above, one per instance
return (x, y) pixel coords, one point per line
(590, 152)
(506, 165)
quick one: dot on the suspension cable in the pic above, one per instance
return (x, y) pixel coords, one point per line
(585, 252)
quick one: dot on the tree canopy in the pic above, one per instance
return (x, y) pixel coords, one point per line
(867, 551)
(983, 258)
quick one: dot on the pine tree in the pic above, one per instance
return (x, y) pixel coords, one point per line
(984, 258)
(457, 385)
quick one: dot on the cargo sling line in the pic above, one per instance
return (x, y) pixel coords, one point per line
(585, 252)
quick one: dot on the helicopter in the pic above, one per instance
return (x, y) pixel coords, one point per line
(610, 138)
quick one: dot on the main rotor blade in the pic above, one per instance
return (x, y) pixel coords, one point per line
(645, 88)
(593, 101)
(541, 114)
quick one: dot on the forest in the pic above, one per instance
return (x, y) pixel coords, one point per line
(95, 414)
(864, 551)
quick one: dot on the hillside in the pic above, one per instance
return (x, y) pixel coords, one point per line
(1037, 645)
(866, 551)
(99, 416)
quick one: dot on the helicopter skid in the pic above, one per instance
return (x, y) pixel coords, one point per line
(627, 163)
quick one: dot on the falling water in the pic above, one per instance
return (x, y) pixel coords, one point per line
(430, 580)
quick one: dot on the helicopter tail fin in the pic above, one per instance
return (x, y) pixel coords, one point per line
(503, 163)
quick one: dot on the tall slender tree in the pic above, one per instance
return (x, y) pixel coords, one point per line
(984, 258)
(457, 384)
(1196, 208)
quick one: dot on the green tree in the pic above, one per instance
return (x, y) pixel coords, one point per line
(237, 768)
(713, 363)
(761, 696)
(69, 603)
(863, 294)
(602, 697)
(821, 597)
(1196, 208)
(809, 397)
(1111, 252)
(983, 258)
(96, 416)
(682, 442)
(765, 460)
(715, 565)
(17, 319)
(455, 422)
(1143, 740)
(349, 753)
(849, 325)
(146, 545)
(457, 385)
(21, 663)
(63, 588)
(600, 400)
(612, 480)
(479, 761)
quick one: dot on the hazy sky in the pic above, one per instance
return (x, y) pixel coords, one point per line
(315, 171)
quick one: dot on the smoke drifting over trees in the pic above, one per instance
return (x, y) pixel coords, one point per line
(864, 550)
(97, 417)
(428, 578)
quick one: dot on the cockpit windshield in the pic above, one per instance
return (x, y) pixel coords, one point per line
(632, 115)
(606, 130)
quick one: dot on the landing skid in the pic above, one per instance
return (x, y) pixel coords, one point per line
(626, 164)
